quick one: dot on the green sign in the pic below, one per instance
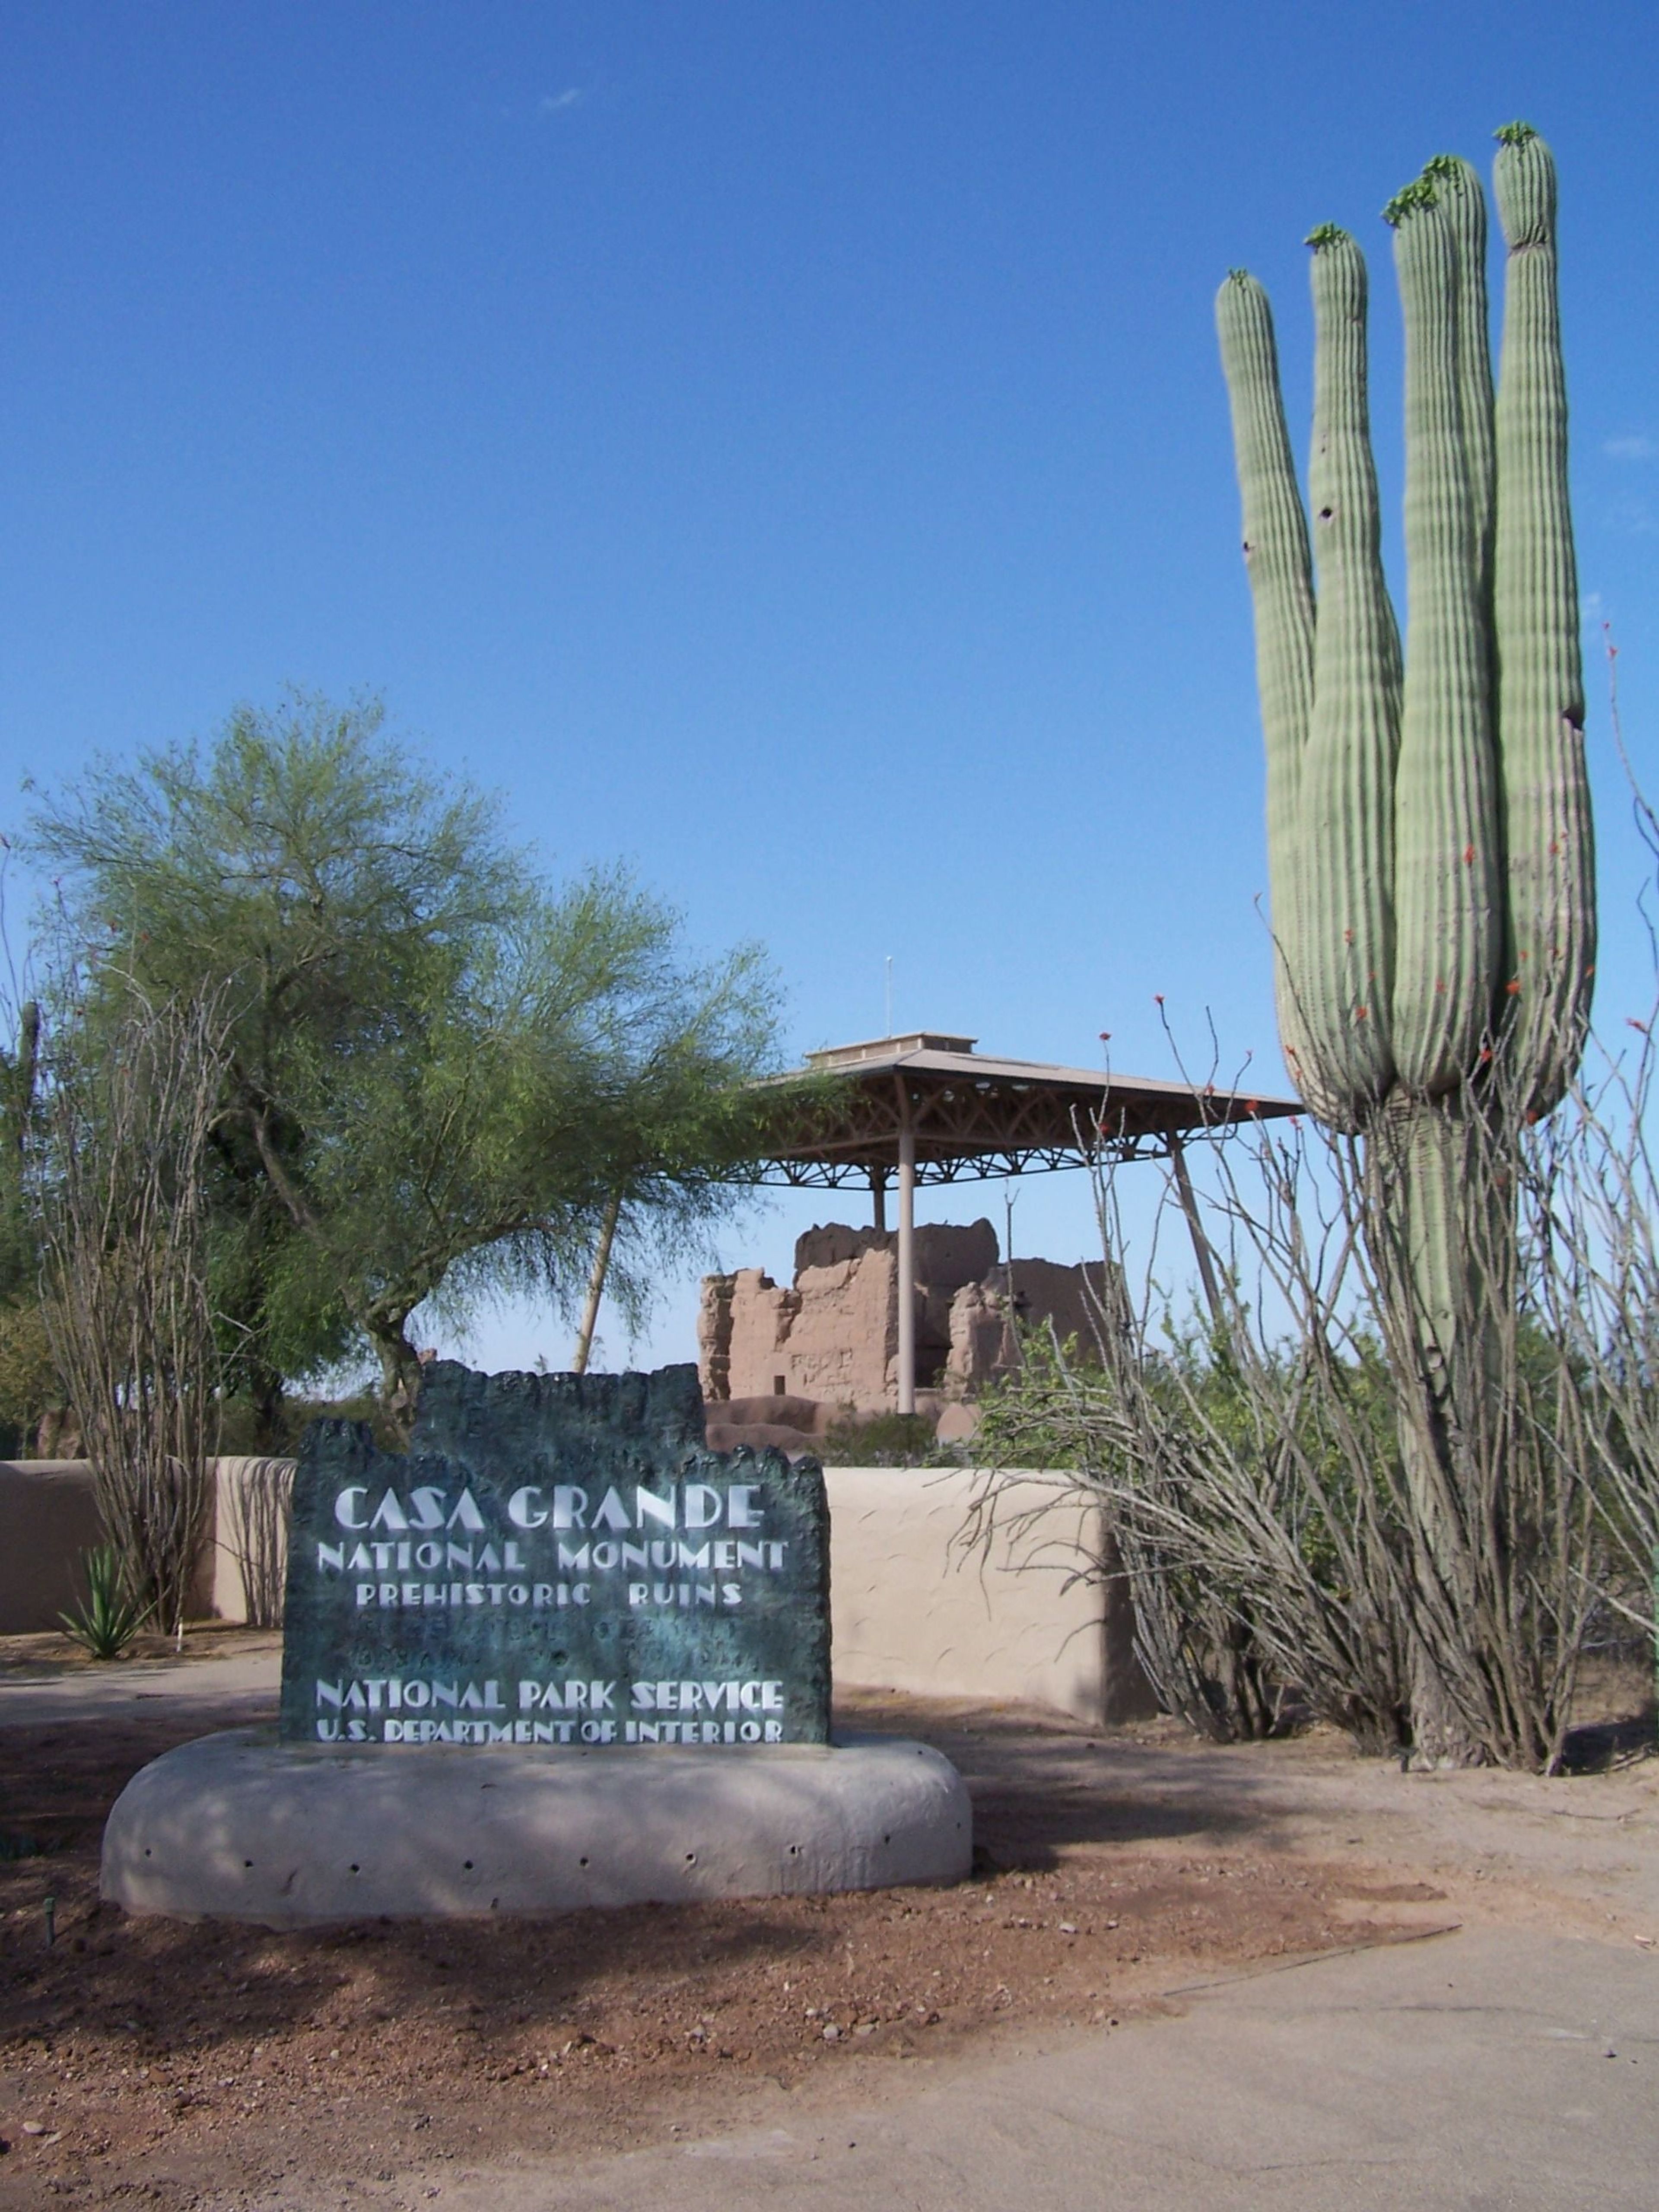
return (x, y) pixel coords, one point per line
(559, 1561)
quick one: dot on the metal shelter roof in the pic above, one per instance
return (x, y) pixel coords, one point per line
(970, 1117)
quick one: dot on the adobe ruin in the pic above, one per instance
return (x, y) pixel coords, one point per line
(831, 1336)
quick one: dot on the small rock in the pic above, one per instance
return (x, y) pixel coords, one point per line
(832, 2033)
(34, 2128)
(1067, 1928)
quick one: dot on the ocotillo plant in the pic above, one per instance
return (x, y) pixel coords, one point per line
(1431, 866)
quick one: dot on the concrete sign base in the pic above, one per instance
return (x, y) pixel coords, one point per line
(244, 1827)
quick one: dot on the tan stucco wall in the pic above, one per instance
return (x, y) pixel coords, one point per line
(49, 1516)
(229, 1602)
(912, 1610)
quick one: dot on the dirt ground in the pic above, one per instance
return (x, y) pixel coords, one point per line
(172, 2064)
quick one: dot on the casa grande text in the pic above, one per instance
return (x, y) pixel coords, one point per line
(431, 1548)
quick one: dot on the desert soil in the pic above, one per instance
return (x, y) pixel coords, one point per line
(156, 2062)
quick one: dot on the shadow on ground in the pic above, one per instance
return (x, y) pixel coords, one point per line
(1040, 1795)
(1042, 1787)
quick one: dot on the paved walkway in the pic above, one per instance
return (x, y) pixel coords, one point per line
(1496, 2069)
(28, 1696)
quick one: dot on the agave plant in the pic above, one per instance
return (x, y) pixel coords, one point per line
(110, 1616)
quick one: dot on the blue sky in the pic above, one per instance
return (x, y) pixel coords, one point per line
(779, 444)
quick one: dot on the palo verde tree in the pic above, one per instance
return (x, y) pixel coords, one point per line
(1429, 817)
(440, 1068)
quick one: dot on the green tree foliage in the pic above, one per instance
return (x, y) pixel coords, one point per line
(29, 1386)
(18, 1069)
(441, 1069)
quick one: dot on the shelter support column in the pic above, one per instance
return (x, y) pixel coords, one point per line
(878, 1199)
(906, 1285)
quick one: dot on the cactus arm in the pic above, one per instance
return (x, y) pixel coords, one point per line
(1457, 189)
(1346, 827)
(1541, 693)
(1448, 877)
(1278, 562)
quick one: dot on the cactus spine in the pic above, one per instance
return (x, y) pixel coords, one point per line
(1433, 868)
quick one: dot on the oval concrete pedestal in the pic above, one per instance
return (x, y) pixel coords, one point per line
(246, 1827)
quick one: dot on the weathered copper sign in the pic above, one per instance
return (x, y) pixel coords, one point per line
(558, 1560)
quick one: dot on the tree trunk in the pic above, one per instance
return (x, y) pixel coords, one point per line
(400, 1374)
(269, 1400)
(601, 1266)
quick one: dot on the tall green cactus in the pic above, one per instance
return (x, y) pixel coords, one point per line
(1431, 865)
(1429, 837)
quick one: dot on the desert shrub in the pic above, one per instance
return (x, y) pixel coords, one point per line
(1283, 1553)
(884, 1440)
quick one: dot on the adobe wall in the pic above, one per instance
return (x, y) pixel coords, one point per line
(910, 1609)
(49, 1516)
(833, 1335)
(913, 1610)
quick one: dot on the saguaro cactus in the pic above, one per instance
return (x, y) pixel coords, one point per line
(1431, 866)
